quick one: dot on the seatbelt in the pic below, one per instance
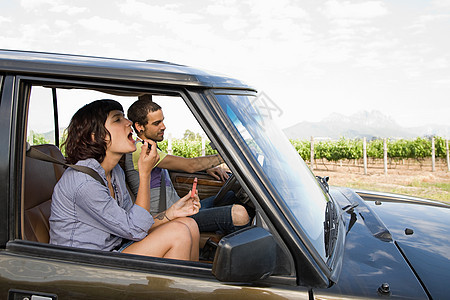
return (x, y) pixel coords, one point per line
(162, 192)
(36, 154)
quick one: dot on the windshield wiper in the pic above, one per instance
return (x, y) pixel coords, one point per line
(324, 183)
(330, 227)
(349, 208)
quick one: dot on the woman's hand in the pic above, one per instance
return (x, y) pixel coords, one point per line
(186, 206)
(148, 157)
(147, 160)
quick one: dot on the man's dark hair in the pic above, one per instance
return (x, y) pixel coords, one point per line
(87, 132)
(138, 111)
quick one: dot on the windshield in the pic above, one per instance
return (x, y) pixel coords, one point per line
(282, 165)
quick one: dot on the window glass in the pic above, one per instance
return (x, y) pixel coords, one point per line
(40, 130)
(282, 165)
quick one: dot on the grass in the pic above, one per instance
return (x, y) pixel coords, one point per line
(407, 181)
(439, 191)
(440, 185)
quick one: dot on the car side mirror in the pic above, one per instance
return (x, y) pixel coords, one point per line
(246, 255)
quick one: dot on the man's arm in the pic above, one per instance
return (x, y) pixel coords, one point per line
(209, 163)
(190, 165)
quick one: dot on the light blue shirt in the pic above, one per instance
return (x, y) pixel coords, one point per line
(83, 213)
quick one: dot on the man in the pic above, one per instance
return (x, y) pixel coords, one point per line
(148, 122)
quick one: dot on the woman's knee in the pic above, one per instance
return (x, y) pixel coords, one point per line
(239, 215)
(191, 224)
(179, 233)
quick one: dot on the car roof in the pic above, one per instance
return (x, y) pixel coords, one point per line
(150, 71)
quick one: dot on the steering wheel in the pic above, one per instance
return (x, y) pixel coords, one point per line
(226, 187)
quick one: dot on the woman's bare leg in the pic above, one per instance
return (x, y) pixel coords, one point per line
(195, 234)
(170, 240)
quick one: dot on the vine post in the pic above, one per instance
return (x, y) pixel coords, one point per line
(312, 153)
(385, 155)
(203, 145)
(448, 157)
(433, 156)
(169, 144)
(365, 155)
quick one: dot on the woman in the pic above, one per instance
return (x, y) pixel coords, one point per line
(87, 214)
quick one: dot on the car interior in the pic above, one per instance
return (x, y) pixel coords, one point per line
(41, 177)
(52, 105)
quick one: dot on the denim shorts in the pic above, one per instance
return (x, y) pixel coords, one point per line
(123, 245)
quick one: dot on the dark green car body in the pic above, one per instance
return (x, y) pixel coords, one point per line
(373, 254)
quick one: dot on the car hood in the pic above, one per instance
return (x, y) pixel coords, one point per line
(398, 240)
(421, 231)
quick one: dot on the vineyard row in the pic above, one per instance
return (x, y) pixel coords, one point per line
(333, 151)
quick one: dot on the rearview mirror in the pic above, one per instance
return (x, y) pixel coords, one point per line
(246, 255)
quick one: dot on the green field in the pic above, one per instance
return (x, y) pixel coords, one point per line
(435, 191)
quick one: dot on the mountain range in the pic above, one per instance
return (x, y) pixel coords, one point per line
(369, 124)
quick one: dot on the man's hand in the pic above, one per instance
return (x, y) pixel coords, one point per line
(218, 173)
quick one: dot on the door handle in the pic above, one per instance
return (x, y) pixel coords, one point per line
(29, 295)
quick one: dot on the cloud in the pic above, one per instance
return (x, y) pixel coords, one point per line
(35, 4)
(423, 22)
(441, 3)
(234, 24)
(371, 59)
(358, 11)
(278, 46)
(281, 9)
(442, 82)
(107, 26)
(63, 24)
(163, 14)
(439, 63)
(70, 10)
(55, 6)
(35, 31)
(276, 21)
(4, 19)
(224, 8)
(173, 20)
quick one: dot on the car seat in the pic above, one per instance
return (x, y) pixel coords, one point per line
(40, 179)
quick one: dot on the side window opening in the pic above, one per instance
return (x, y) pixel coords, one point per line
(40, 117)
(40, 133)
(179, 121)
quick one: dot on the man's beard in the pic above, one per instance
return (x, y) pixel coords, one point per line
(157, 137)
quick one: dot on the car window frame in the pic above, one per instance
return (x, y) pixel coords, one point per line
(5, 150)
(305, 257)
(16, 244)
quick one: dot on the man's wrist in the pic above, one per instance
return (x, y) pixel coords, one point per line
(219, 159)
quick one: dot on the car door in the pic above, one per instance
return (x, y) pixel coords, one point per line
(36, 268)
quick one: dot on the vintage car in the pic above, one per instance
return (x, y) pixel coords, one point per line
(308, 240)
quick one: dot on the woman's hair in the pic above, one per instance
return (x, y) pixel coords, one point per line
(87, 132)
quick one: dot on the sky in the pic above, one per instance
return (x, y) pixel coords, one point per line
(311, 58)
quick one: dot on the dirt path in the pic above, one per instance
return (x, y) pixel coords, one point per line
(426, 184)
